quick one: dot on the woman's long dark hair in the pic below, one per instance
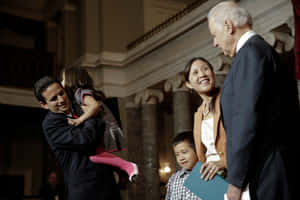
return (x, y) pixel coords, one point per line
(186, 73)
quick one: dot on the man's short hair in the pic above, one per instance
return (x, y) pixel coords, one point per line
(186, 136)
(232, 11)
(41, 85)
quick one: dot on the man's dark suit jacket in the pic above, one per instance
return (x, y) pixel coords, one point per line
(72, 147)
(257, 106)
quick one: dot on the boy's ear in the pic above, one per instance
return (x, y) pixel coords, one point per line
(188, 85)
(44, 105)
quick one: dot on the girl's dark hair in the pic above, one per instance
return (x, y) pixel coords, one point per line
(78, 77)
(186, 73)
(184, 136)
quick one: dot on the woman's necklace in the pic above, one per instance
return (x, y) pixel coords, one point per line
(205, 111)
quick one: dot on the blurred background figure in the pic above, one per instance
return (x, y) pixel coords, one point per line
(53, 189)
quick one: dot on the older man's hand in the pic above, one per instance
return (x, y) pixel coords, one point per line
(234, 193)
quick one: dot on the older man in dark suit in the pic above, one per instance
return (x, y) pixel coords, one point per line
(258, 108)
(73, 145)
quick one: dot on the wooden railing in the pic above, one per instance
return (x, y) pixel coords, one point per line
(165, 24)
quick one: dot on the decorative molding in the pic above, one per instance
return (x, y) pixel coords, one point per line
(223, 64)
(176, 29)
(169, 60)
(113, 58)
(122, 59)
(89, 60)
(165, 54)
(116, 59)
(270, 38)
(282, 42)
(168, 6)
(19, 97)
(286, 40)
(149, 96)
(175, 84)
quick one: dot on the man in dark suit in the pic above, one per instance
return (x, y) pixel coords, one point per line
(73, 145)
(258, 108)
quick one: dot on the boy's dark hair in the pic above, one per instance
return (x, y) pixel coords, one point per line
(41, 85)
(184, 136)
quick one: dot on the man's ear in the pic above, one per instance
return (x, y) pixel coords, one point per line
(188, 85)
(44, 105)
(229, 26)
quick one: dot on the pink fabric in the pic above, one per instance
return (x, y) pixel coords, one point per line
(107, 158)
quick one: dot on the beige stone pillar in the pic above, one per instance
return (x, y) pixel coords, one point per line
(52, 37)
(71, 33)
(149, 142)
(182, 111)
(134, 128)
(91, 30)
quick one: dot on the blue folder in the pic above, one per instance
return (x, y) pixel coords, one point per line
(206, 190)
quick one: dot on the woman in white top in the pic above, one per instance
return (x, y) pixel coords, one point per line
(209, 133)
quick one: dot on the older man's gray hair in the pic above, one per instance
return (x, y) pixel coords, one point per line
(230, 11)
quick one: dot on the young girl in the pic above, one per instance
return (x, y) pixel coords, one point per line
(79, 85)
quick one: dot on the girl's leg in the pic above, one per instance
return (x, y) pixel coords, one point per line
(104, 157)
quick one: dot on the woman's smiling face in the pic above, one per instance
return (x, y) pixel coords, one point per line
(201, 77)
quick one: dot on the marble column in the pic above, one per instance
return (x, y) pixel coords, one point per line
(136, 191)
(91, 32)
(284, 42)
(182, 111)
(149, 142)
(52, 34)
(71, 33)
